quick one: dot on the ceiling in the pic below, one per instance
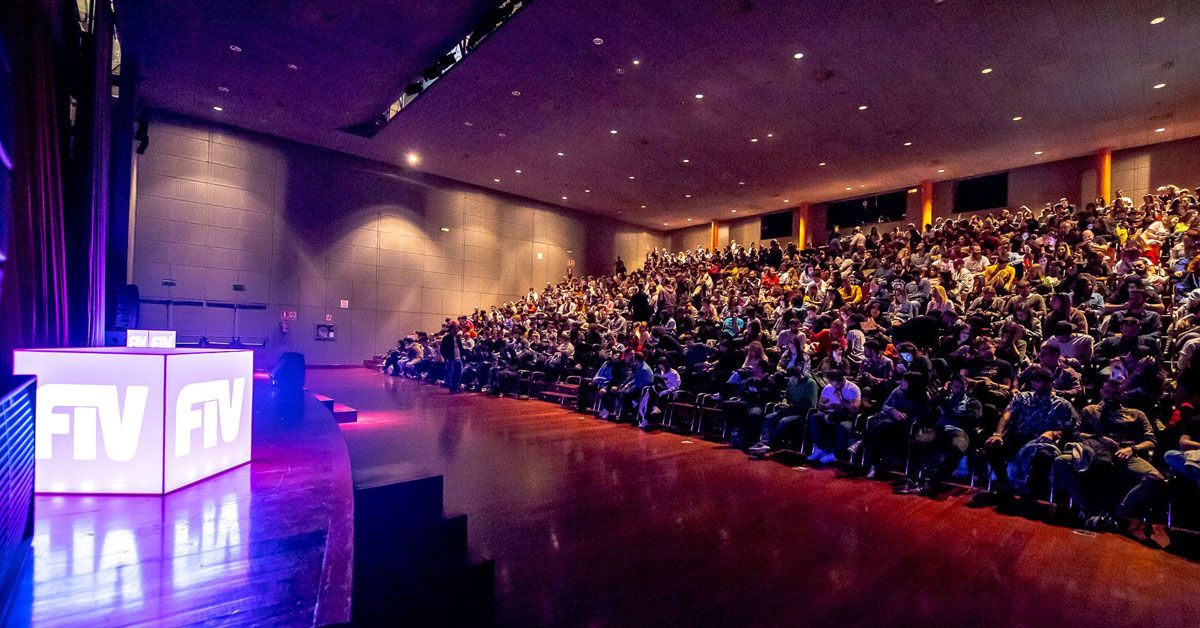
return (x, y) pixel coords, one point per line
(1079, 73)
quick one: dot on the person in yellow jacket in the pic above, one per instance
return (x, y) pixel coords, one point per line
(1000, 276)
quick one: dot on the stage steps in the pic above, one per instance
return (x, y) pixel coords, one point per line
(412, 563)
(342, 413)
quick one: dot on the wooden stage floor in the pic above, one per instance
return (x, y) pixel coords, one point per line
(269, 543)
(597, 524)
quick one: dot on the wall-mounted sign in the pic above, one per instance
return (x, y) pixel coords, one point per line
(287, 315)
(344, 304)
(326, 332)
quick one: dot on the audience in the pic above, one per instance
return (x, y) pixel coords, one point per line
(1049, 344)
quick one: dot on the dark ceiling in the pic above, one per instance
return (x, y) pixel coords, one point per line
(1079, 73)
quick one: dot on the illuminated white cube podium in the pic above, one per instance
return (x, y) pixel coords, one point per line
(137, 420)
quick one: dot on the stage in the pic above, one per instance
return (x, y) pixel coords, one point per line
(269, 542)
(597, 524)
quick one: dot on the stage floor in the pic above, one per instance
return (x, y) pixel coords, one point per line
(597, 524)
(266, 543)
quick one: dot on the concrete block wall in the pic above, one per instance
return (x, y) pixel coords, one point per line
(304, 229)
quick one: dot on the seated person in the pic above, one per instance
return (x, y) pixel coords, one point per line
(1121, 439)
(1185, 461)
(1028, 416)
(1071, 344)
(612, 371)
(889, 428)
(666, 381)
(800, 397)
(876, 371)
(831, 425)
(1067, 380)
(613, 399)
(939, 451)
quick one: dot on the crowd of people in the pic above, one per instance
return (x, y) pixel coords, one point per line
(1038, 351)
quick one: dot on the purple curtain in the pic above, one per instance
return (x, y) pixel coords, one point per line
(35, 278)
(101, 141)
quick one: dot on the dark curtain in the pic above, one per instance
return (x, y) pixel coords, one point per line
(34, 296)
(96, 167)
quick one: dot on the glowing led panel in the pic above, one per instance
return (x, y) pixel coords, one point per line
(137, 420)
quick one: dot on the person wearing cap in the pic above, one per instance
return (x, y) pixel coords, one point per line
(1028, 416)
(1121, 440)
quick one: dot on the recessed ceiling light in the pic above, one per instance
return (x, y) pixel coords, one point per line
(636, 62)
(1160, 86)
(699, 96)
(293, 66)
(821, 164)
(912, 190)
(789, 200)
(516, 92)
(941, 170)
(687, 196)
(612, 131)
(1159, 130)
(235, 47)
(446, 229)
(560, 154)
(564, 198)
(1158, 20)
(733, 211)
(587, 191)
(1037, 152)
(598, 41)
(468, 124)
(664, 224)
(770, 135)
(643, 207)
(798, 55)
(908, 143)
(741, 183)
(412, 159)
(223, 89)
(1017, 118)
(986, 71)
(502, 135)
(631, 177)
(753, 139)
(862, 107)
(218, 108)
(517, 171)
(687, 161)
(496, 180)
(689, 219)
(848, 189)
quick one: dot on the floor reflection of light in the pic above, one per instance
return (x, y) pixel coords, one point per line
(117, 552)
(67, 570)
(210, 550)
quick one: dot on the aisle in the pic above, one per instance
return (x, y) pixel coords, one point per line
(598, 524)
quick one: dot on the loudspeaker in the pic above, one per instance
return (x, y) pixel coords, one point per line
(288, 373)
(142, 134)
